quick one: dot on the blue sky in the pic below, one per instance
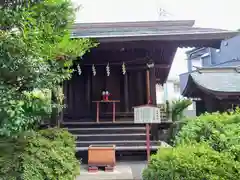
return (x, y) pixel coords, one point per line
(207, 13)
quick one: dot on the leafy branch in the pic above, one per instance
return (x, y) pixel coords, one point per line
(36, 53)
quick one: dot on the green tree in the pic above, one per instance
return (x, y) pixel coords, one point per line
(36, 53)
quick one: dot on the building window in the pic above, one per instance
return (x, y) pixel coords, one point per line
(176, 88)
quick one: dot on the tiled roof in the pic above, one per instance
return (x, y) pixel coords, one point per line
(158, 30)
(218, 80)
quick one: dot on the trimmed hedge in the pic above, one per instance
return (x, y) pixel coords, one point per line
(206, 148)
(220, 131)
(192, 162)
(44, 155)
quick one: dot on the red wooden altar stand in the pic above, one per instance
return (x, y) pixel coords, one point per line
(102, 155)
(113, 102)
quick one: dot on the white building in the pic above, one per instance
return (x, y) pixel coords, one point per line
(171, 91)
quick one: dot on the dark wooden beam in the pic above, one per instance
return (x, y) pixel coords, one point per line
(132, 66)
(134, 45)
(135, 56)
(102, 57)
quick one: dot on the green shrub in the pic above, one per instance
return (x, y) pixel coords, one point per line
(220, 131)
(191, 162)
(178, 107)
(175, 112)
(45, 155)
(174, 129)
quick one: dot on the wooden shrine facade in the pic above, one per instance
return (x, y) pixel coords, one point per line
(130, 57)
(130, 72)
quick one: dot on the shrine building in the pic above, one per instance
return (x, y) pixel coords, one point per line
(121, 73)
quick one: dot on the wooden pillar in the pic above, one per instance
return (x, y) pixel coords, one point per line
(151, 93)
(148, 85)
(65, 99)
(140, 85)
(89, 91)
(210, 103)
(126, 95)
(152, 80)
(147, 125)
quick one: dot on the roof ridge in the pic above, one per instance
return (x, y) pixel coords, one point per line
(185, 23)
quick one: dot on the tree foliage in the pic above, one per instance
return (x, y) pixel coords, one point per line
(207, 147)
(17, 3)
(219, 130)
(192, 162)
(36, 52)
(175, 112)
(178, 107)
(44, 155)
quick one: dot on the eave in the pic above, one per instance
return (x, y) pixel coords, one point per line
(164, 35)
(179, 32)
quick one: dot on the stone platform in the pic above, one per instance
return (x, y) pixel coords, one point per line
(122, 171)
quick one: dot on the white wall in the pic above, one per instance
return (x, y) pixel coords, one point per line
(167, 92)
(160, 94)
(196, 63)
(170, 92)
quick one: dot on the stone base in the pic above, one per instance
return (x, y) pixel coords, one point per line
(120, 172)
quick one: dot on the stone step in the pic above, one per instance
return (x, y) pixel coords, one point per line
(110, 137)
(108, 130)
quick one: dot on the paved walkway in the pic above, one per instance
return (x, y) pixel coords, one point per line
(122, 171)
(137, 168)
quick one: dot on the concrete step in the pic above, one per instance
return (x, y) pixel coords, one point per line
(108, 130)
(125, 148)
(117, 143)
(98, 125)
(110, 137)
